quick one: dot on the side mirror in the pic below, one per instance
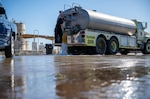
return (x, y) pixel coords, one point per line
(145, 25)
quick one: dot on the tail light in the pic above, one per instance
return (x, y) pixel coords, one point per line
(83, 34)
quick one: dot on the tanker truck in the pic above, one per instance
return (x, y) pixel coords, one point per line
(92, 32)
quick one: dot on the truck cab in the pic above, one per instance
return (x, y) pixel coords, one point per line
(143, 38)
(8, 32)
(141, 26)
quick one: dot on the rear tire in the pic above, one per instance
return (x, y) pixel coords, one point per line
(101, 46)
(9, 50)
(146, 49)
(112, 47)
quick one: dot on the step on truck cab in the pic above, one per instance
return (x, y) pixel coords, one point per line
(92, 32)
(8, 32)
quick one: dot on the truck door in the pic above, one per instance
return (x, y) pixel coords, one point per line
(140, 31)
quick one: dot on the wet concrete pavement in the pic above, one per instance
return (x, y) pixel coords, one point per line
(75, 77)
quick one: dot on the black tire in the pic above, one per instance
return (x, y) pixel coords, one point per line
(101, 46)
(113, 46)
(146, 49)
(9, 50)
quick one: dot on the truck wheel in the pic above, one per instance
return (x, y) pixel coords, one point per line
(101, 46)
(146, 49)
(112, 47)
(9, 50)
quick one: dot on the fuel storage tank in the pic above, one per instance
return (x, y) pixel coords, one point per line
(79, 19)
(21, 29)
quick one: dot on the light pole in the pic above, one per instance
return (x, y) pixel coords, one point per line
(38, 38)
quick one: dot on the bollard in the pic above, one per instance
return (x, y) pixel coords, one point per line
(64, 47)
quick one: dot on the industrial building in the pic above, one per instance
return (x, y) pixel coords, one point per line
(22, 46)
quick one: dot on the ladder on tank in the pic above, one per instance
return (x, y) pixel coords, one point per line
(70, 18)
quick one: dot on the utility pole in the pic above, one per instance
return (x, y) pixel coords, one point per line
(38, 38)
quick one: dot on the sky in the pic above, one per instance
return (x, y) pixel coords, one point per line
(41, 15)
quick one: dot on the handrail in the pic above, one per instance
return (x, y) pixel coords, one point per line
(66, 6)
(73, 5)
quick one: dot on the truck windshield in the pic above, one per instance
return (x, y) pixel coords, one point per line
(140, 25)
(2, 10)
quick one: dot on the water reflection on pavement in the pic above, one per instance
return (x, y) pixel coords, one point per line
(75, 77)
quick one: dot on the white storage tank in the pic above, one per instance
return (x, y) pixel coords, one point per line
(21, 29)
(26, 45)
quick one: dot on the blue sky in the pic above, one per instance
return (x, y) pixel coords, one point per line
(42, 14)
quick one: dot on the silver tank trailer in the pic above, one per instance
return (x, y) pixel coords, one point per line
(80, 19)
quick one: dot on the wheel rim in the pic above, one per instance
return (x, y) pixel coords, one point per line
(113, 46)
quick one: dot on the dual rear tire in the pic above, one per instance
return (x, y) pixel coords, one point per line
(113, 46)
(101, 46)
(110, 47)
